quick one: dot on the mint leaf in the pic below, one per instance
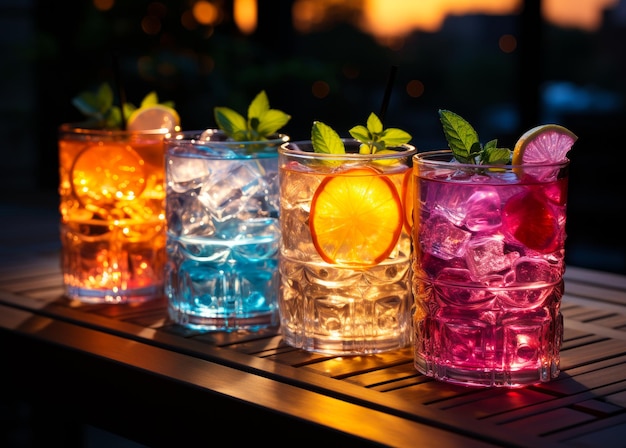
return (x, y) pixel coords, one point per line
(360, 133)
(230, 121)
(463, 140)
(261, 123)
(325, 140)
(95, 104)
(496, 156)
(374, 125)
(271, 121)
(395, 137)
(259, 105)
(461, 137)
(375, 138)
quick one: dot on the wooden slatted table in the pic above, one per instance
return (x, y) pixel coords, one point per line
(129, 370)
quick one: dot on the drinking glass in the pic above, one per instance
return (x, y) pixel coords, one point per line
(112, 213)
(488, 267)
(222, 231)
(345, 250)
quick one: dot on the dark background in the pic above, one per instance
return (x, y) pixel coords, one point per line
(335, 73)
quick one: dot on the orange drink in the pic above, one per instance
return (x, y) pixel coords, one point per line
(345, 251)
(112, 213)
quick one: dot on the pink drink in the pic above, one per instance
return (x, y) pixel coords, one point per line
(488, 265)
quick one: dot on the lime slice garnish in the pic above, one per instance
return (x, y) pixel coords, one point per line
(544, 144)
(157, 116)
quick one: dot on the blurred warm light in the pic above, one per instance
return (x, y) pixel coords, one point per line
(307, 14)
(103, 5)
(188, 21)
(507, 43)
(151, 25)
(205, 13)
(157, 9)
(415, 88)
(585, 14)
(245, 14)
(388, 21)
(320, 89)
(400, 17)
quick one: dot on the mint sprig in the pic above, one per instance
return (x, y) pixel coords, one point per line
(463, 140)
(98, 106)
(373, 137)
(261, 123)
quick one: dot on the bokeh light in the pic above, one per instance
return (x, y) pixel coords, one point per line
(320, 89)
(206, 13)
(245, 14)
(507, 43)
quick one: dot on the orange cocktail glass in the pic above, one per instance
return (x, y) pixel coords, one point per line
(112, 213)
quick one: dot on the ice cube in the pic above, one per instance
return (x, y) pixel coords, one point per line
(185, 173)
(485, 256)
(532, 270)
(483, 210)
(226, 192)
(477, 208)
(442, 238)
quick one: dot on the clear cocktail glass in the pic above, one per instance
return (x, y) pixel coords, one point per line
(345, 251)
(112, 213)
(223, 231)
(488, 267)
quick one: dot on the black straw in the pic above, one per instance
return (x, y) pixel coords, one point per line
(120, 89)
(390, 80)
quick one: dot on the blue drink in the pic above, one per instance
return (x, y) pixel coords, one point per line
(223, 232)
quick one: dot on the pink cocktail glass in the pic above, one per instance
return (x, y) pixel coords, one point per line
(488, 268)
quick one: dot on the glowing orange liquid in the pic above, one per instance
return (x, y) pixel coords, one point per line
(112, 216)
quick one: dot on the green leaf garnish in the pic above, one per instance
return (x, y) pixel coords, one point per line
(99, 106)
(463, 140)
(373, 137)
(262, 122)
(325, 140)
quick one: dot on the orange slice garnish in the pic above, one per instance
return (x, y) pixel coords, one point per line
(356, 217)
(104, 174)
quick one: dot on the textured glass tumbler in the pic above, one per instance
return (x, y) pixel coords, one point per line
(112, 194)
(222, 231)
(488, 266)
(345, 251)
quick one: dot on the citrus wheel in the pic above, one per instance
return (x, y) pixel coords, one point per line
(547, 143)
(157, 116)
(104, 174)
(356, 217)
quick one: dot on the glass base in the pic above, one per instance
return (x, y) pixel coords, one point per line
(329, 345)
(487, 378)
(223, 322)
(109, 296)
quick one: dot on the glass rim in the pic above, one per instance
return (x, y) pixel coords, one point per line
(291, 149)
(428, 158)
(193, 137)
(88, 128)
